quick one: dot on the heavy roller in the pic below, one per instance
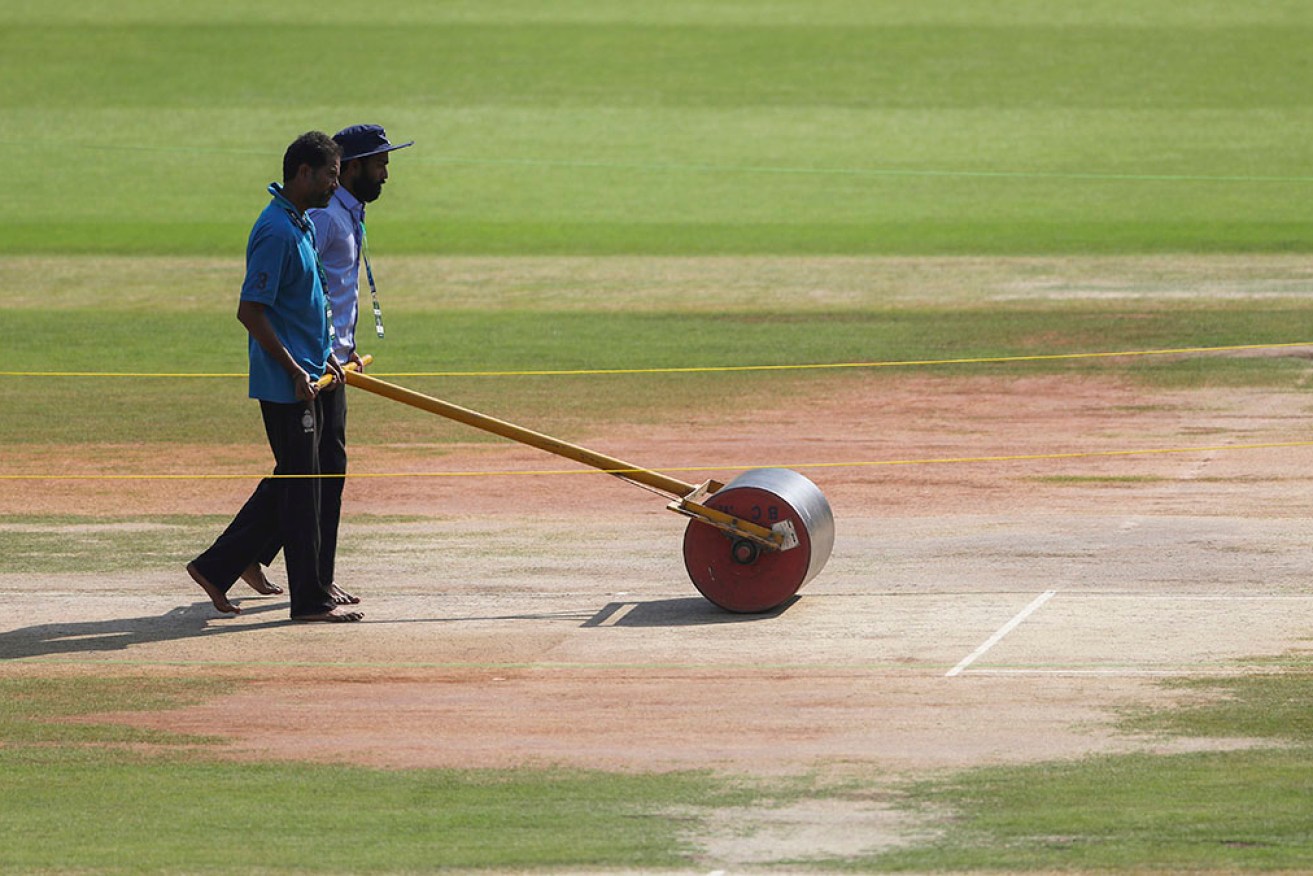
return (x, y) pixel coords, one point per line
(750, 544)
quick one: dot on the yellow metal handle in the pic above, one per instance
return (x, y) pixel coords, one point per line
(350, 366)
(608, 464)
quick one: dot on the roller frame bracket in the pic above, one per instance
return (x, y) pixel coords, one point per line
(786, 529)
(780, 537)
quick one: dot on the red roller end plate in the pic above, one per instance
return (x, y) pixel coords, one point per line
(737, 575)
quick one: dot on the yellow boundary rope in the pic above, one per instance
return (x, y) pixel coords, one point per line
(952, 460)
(708, 369)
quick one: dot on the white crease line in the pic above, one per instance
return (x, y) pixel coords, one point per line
(1003, 631)
(618, 615)
(1119, 673)
(1195, 597)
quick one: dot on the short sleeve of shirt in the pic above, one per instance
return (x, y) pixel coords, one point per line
(281, 276)
(264, 266)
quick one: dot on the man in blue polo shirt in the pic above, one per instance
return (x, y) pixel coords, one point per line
(284, 311)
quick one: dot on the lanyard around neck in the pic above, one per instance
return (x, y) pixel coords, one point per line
(363, 252)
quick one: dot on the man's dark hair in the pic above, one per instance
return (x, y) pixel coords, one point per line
(314, 148)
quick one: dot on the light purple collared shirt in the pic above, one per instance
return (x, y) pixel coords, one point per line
(337, 237)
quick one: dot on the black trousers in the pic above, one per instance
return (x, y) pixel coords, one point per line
(332, 461)
(286, 507)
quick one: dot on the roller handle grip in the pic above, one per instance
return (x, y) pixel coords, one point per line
(350, 366)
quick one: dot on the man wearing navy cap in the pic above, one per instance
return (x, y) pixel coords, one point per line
(343, 246)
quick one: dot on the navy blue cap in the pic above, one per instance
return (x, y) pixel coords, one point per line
(362, 141)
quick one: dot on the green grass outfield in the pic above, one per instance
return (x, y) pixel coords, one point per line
(611, 126)
(615, 184)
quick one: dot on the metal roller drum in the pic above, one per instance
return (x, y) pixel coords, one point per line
(739, 575)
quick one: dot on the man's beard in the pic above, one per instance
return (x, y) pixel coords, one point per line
(367, 191)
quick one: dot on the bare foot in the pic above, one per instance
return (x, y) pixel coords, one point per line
(216, 595)
(334, 616)
(254, 576)
(340, 596)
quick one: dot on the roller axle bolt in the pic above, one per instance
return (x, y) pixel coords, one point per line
(745, 552)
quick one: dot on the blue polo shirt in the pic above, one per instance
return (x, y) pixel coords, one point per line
(282, 274)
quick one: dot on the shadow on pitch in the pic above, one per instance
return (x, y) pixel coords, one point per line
(98, 637)
(683, 612)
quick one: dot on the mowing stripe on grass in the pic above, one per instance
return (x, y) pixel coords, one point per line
(1091, 176)
(675, 167)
